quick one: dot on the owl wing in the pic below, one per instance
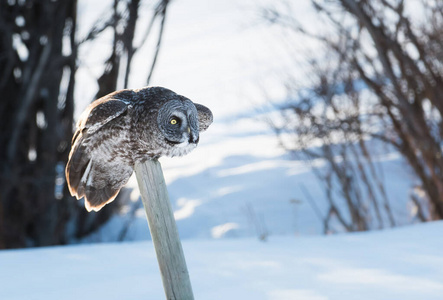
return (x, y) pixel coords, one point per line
(78, 168)
(205, 117)
(101, 112)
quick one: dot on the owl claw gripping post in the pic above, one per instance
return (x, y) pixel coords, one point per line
(126, 127)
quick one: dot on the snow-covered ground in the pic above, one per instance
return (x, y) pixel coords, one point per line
(249, 192)
(238, 182)
(404, 263)
(236, 185)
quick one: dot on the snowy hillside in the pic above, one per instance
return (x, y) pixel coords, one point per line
(237, 187)
(238, 182)
(404, 263)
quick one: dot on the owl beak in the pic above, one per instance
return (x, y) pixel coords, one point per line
(193, 138)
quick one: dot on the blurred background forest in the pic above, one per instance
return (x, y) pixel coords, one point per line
(39, 60)
(328, 114)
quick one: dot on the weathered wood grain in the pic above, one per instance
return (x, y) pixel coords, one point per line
(164, 232)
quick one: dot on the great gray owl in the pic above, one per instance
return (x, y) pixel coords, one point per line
(126, 127)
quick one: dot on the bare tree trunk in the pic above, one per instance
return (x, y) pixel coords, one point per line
(36, 120)
(38, 62)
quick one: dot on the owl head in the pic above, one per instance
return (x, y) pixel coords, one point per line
(178, 119)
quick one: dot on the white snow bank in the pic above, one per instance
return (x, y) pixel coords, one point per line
(404, 263)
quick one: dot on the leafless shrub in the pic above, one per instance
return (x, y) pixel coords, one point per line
(379, 78)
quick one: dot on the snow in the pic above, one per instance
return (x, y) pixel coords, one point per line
(232, 188)
(236, 186)
(402, 263)
(238, 182)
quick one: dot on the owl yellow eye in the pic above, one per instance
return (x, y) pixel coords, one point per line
(173, 121)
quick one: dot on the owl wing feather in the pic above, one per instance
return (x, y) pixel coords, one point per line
(101, 112)
(81, 168)
(77, 165)
(96, 195)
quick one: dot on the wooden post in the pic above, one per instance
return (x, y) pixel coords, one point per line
(163, 229)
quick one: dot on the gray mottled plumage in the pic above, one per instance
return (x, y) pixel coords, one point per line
(126, 127)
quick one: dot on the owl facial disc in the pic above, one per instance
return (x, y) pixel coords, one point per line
(178, 122)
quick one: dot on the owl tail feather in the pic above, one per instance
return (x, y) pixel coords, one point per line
(96, 198)
(80, 172)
